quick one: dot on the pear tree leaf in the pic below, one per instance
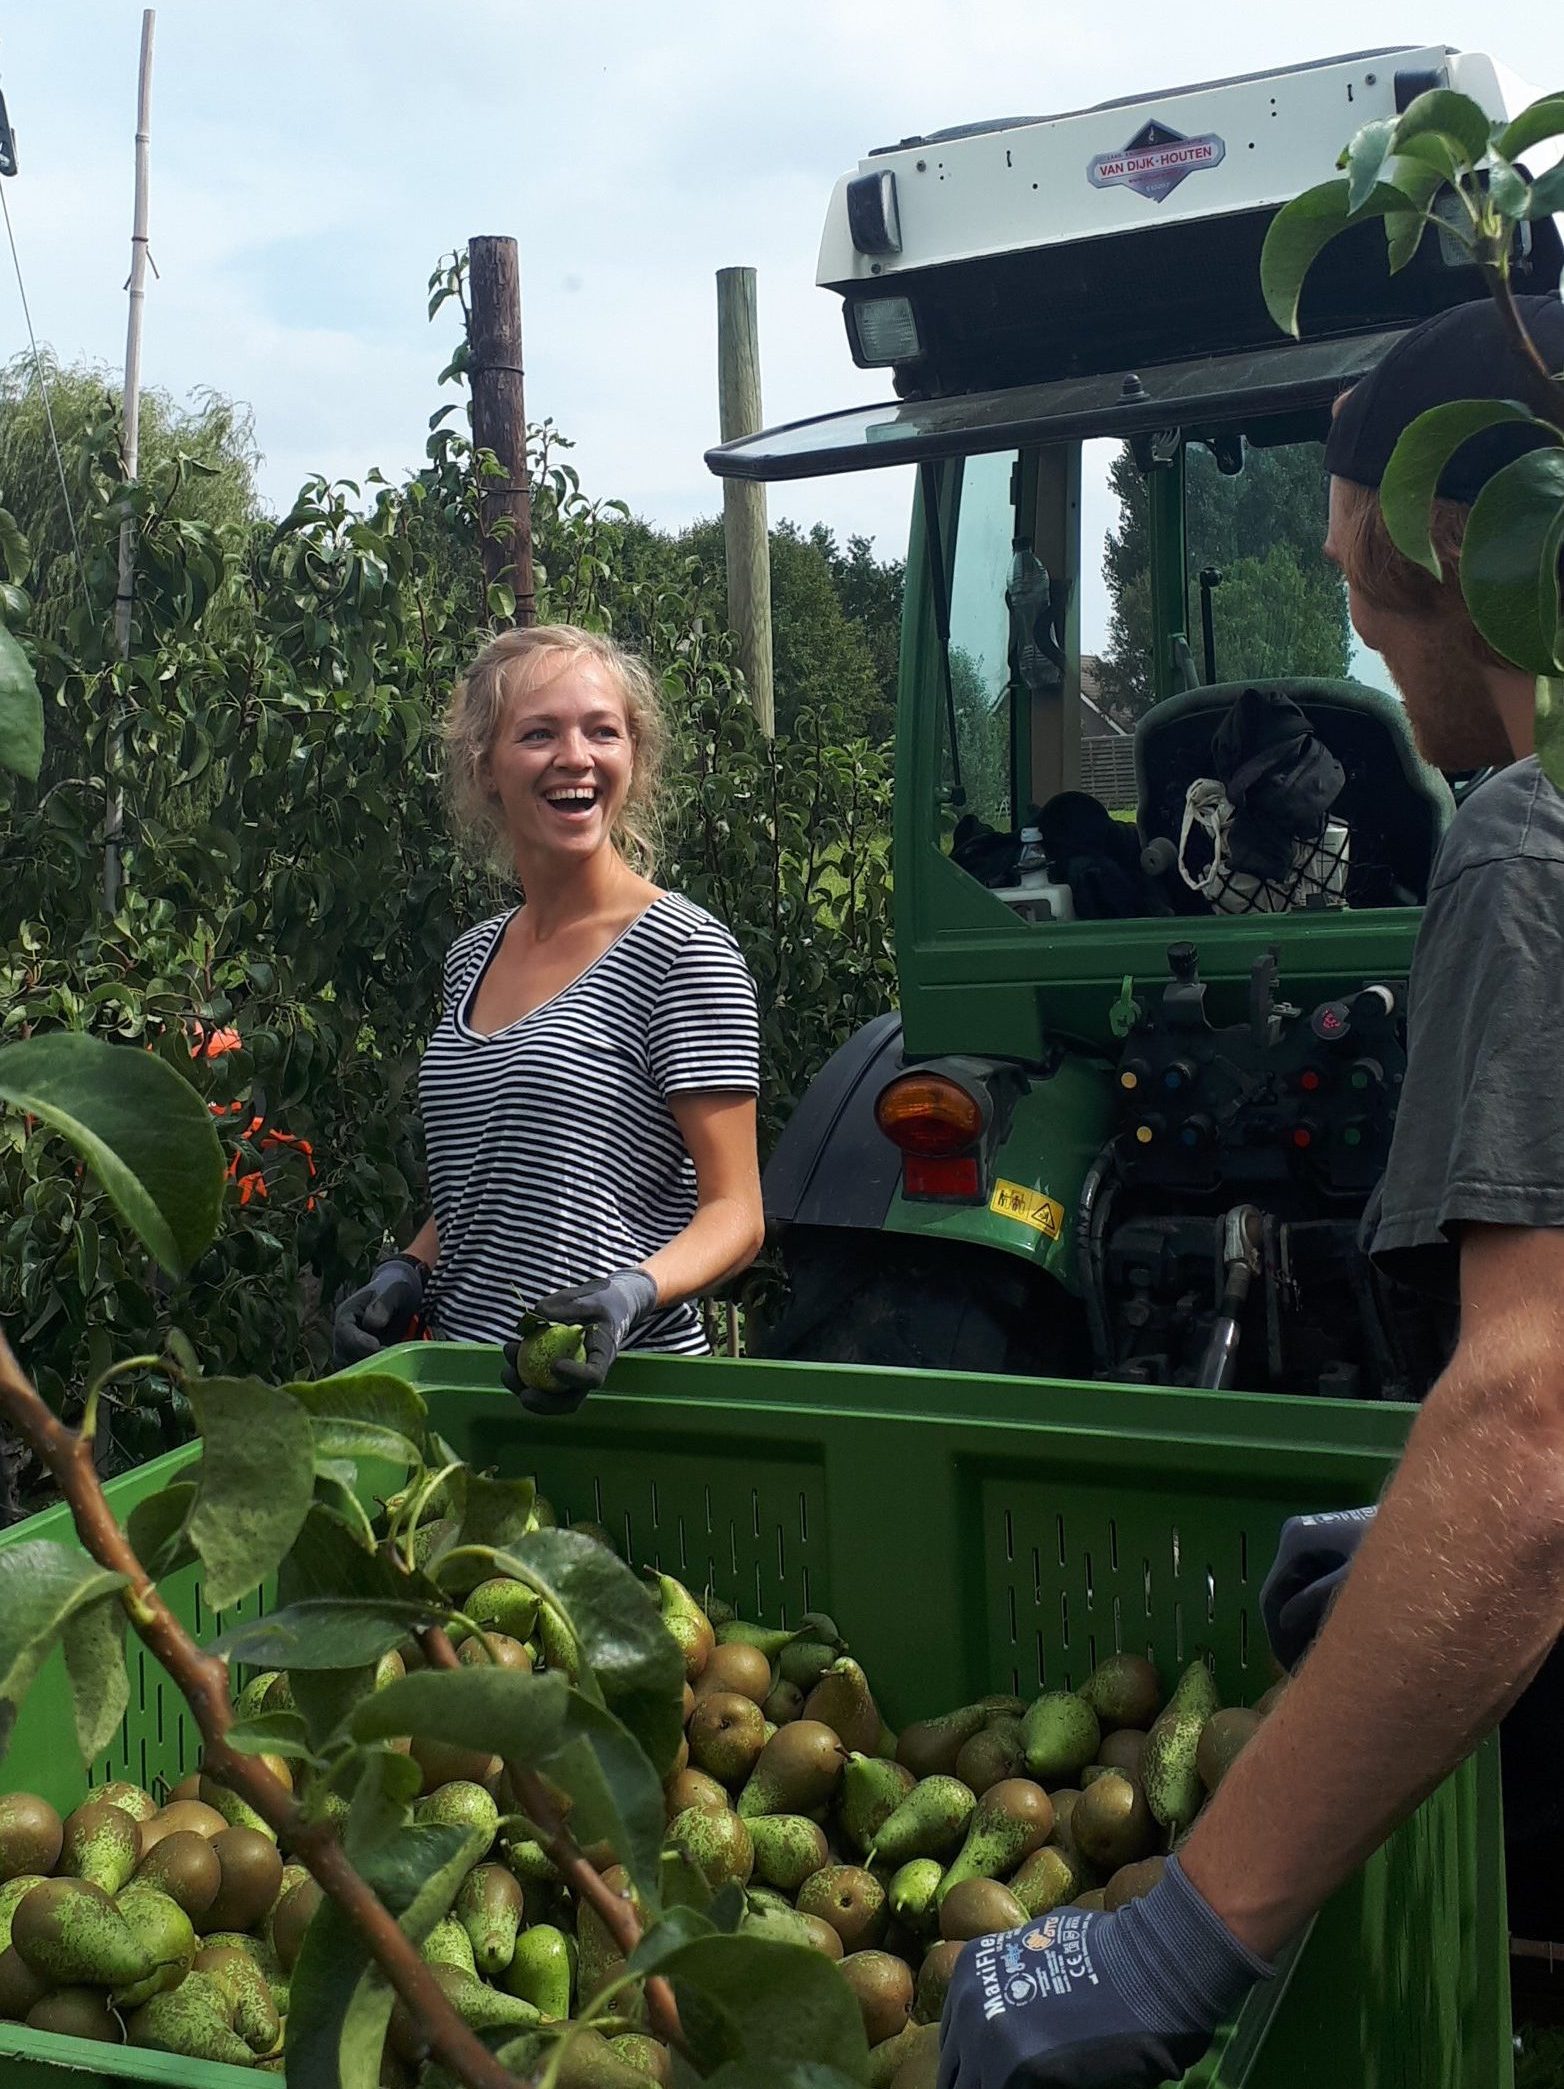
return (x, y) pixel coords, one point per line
(1364, 158)
(1448, 115)
(634, 1661)
(380, 1808)
(1301, 230)
(256, 1486)
(325, 1697)
(140, 1127)
(1404, 228)
(94, 1640)
(21, 711)
(42, 1587)
(271, 1733)
(1508, 190)
(760, 2003)
(498, 1710)
(1418, 461)
(617, 1796)
(339, 2002)
(372, 1414)
(1547, 193)
(666, 1937)
(1503, 553)
(325, 1632)
(1544, 119)
(156, 1529)
(495, 1512)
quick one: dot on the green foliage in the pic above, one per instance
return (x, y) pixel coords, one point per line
(289, 871)
(1445, 154)
(1280, 609)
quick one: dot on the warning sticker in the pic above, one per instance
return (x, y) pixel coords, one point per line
(1013, 1200)
(1155, 161)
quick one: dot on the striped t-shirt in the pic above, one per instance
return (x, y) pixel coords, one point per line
(553, 1155)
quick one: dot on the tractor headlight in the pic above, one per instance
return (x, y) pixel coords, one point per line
(885, 330)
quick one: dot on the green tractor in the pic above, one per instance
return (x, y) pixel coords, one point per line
(1127, 1119)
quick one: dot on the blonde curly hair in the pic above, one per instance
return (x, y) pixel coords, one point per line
(518, 660)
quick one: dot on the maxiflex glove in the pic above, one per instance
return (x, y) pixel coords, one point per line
(380, 1312)
(1313, 1556)
(609, 1310)
(1082, 2001)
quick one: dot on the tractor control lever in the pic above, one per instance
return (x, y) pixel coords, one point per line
(1243, 1250)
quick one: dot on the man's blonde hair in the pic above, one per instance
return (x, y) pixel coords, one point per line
(520, 660)
(1388, 579)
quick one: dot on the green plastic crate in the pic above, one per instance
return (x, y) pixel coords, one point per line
(968, 1535)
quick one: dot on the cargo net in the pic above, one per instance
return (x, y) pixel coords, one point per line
(1317, 878)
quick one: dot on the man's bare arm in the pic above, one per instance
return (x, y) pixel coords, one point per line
(1454, 1600)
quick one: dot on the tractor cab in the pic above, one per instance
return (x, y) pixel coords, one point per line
(1144, 1072)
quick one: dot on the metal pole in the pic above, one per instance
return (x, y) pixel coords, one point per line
(499, 419)
(124, 596)
(743, 501)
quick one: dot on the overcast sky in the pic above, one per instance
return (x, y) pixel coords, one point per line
(311, 161)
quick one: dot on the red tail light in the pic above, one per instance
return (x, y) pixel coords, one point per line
(956, 1177)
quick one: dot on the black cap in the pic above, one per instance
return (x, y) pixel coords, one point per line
(1464, 353)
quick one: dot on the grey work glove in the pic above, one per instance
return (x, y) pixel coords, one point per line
(609, 1310)
(1076, 2000)
(1313, 1556)
(379, 1313)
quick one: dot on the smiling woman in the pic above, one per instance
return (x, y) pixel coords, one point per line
(588, 1095)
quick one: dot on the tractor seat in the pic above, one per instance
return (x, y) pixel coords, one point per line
(1395, 806)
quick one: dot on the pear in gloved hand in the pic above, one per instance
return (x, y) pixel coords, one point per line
(601, 1315)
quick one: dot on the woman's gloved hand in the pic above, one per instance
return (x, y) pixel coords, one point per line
(1313, 1555)
(1075, 2000)
(609, 1310)
(380, 1312)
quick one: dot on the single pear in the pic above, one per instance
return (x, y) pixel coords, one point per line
(931, 1821)
(871, 1791)
(186, 1867)
(1267, 1702)
(891, 2061)
(1122, 1750)
(1222, 1739)
(687, 1622)
(1092, 1900)
(77, 2012)
(133, 1799)
(480, 2007)
(590, 2062)
(1065, 1800)
(12, 1894)
(1169, 1770)
(490, 1906)
(540, 1971)
(1048, 1879)
(599, 1958)
(1009, 1822)
(738, 1668)
(991, 1756)
(255, 2015)
(166, 1934)
(530, 1862)
(798, 1770)
(1112, 1825)
(653, 2059)
(21, 1989)
(929, 1747)
(291, 1918)
(461, 1804)
(193, 2020)
(71, 1933)
(783, 1704)
(914, 1894)
(448, 1944)
(442, 1762)
(882, 1985)
(851, 1899)
(31, 1836)
(503, 1605)
(717, 1844)
(694, 1788)
(100, 1844)
(975, 1907)
(1133, 1882)
(803, 1662)
(235, 1811)
(494, 1649)
(727, 1731)
(538, 1354)
(1194, 1693)
(788, 1849)
(179, 1816)
(843, 1701)
(934, 1977)
(1061, 1735)
(251, 1868)
(781, 1924)
(1124, 1690)
(739, 1632)
(252, 1698)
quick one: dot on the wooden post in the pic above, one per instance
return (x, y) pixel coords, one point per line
(130, 414)
(743, 501)
(499, 419)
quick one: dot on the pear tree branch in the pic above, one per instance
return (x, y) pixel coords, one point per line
(203, 1679)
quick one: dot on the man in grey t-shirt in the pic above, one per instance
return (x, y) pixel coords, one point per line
(1456, 1595)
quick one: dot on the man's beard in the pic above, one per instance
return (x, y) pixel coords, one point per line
(1454, 718)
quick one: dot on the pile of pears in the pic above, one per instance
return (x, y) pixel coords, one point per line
(889, 1852)
(174, 1921)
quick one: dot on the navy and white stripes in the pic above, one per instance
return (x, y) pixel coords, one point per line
(553, 1156)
